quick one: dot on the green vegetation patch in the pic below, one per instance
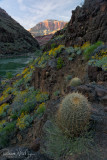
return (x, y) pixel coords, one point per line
(89, 49)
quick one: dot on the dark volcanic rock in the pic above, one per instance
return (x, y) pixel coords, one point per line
(88, 23)
(96, 74)
(36, 145)
(14, 39)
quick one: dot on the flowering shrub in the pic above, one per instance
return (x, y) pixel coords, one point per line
(18, 75)
(3, 109)
(18, 102)
(42, 97)
(18, 83)
(41, 108)
(99, 60)
(2, 124)
(85, 45)
(43, 59)
(89, 50)
(7, 91)
(55, 51)
(25, 70)
(24, 121)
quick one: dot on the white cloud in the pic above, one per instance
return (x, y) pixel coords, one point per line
(34, 11)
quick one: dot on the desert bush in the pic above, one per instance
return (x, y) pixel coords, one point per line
(85, 45)
(58, 145)
(24, 121)
(60, 63)
(99, 60)
(73, 114)
(59, 37)
(42, 97)
(68, 78)
(3, 109)
(70, 50)
(89, 50)
(56, 51)
(56, 93)
(99, 63)
(19, 82)
(24, 102)
(53, 45)
(41, 108)
(75, 82)
(6, 132)
(99, 50)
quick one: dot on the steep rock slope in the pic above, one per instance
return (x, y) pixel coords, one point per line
(47, 27)
(88, 23)
(14, 39)
(42, 40)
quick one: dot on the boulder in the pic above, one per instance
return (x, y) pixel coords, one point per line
(100, 92)
(104, 100)
(35, 146)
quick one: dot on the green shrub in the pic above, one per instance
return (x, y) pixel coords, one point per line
(19, 83)
(68, 78)
(6, 133)
(53, 45)
(24, 121)
(42, 97)
(60, 63)
(89, 50)
(73, 115)
(41, 108)
(58, 145)
(70, 50)
(99, 63)
(75, 82)
(9, 75)
(99, 60)
(56, 93)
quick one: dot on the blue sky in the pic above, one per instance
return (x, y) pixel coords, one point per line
(30, 12)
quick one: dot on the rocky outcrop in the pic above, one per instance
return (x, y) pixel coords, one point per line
(42, 40)
(47, 27)
(96, 74)
(14, 39)
(88, 23)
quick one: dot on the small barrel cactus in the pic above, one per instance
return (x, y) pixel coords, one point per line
(75, 82)
(73, 114)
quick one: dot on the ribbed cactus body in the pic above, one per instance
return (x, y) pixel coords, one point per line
(73, 114)
(75, 82)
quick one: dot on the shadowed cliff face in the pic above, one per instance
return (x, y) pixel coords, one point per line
(14, 39)
(47, 27)
(88, 23)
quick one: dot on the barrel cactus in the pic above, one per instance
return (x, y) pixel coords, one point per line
(75, 82)
(73, 114)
